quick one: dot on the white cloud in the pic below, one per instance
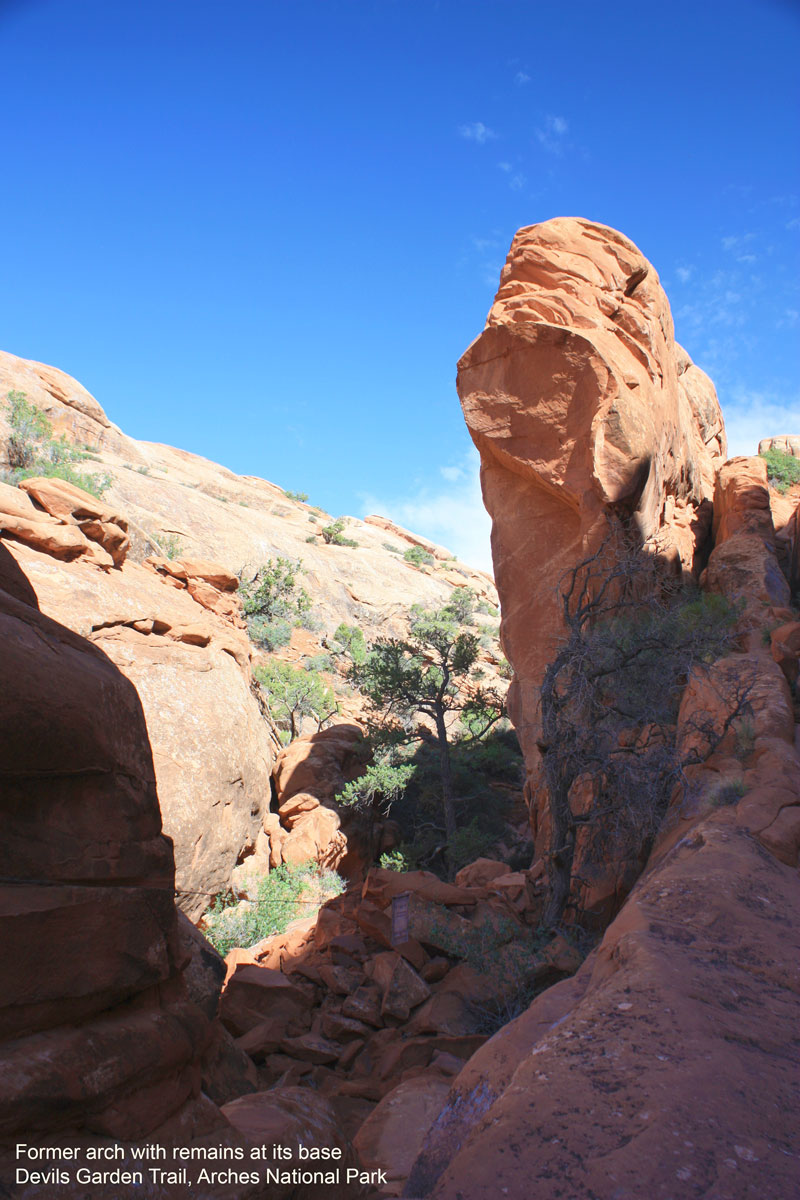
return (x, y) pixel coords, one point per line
(477, 132)
(684, 273)
(505, 166)
(452, 515)
(550, 133)
(521, 78)
(751, 416)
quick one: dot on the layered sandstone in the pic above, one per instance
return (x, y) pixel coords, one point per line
(176, 634)
(98, 1037)
(582, 405)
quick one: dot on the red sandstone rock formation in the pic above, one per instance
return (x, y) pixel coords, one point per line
(653, 1072)
(581, 403)
(98, 1037)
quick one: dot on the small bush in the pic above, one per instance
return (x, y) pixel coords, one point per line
(381, 784)
(294, 694)
(311, 539)
(396, 860)
(351, 639)
(318, 662)
(269, 635)
(168, 543)
(417, 556)
(32, 449)
(783, 470)
(301, 496)
(392, 549)
(284, 895)
(273, 602)
(334, 535)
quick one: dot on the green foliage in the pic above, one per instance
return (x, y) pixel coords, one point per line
(727, 792)
(461, 606)
(487, 609)
(431, 673)
(417, 556)
(392, 549)
(169, 544)
(334, 535)
(396, 860)
(301, 496)
(378, 788)
(351, 640)
(311, 539)
(783, 470)
(294, 694)
(284, 895)
(274, 602)
(318, 662)
(33, 451)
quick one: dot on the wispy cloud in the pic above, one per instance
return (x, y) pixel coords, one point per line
(551, 132)
(450, 513)
(684, 273)
(477, 132)
(521, 78)
(753, 415)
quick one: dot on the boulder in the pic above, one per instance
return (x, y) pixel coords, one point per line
(392, 1134)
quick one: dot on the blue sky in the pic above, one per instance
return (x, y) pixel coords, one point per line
(266, 231)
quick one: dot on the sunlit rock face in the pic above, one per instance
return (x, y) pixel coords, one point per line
(582, 404)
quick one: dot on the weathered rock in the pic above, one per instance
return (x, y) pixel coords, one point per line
(72, 504)
(319, 764)
(744, 564)
(400, 985)
(103, 1044)
(392, 1134)
(254, 994)
(686, 1073)
(580, 403)
(786, 445)
(785, 649)
(295, 1117)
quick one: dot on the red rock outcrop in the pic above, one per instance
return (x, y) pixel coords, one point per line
(98, 1037)
(581, 404)
(652, 1072)
(174, 629)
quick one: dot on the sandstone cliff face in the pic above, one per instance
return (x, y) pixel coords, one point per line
(98, 1038)
(581, 404)
(191, 667)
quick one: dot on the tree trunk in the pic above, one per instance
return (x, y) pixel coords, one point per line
(447, 779)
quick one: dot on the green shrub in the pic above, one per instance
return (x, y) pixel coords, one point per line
(269, 635)
(301, 496)
(334, 535)
(273, 602)
(318, 662)
(168, 543)
(351, 640)
(783, 470)
(392, 549)
(378, 788)
(396, 860)
(311, 539)
(284, 895)
(33, 451)
(294, 694)
(417, 556)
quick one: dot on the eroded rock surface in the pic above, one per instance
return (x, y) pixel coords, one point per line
(582, 404)
(98, 1037)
